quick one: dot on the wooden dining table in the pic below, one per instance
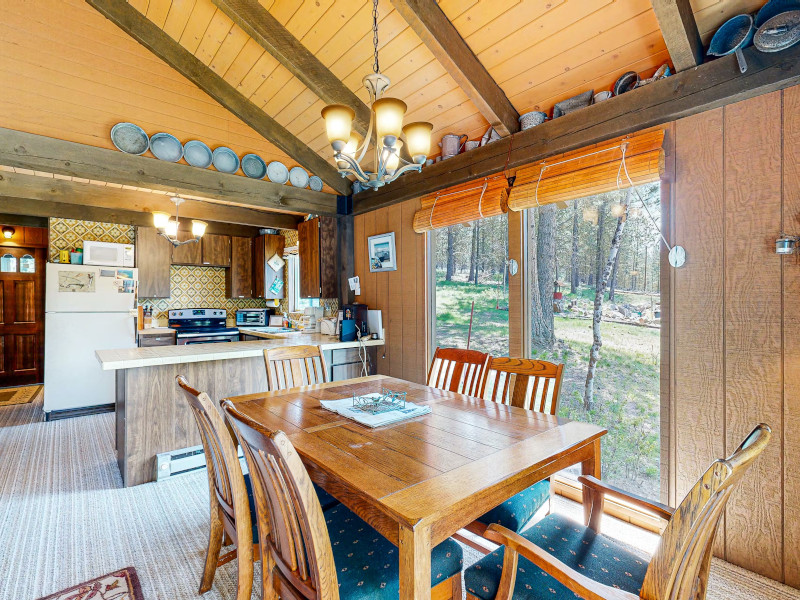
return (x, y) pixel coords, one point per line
(419, 481)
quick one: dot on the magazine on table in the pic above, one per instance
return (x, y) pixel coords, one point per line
(346, 409)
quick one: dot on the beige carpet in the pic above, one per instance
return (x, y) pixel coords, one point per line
(66, 519)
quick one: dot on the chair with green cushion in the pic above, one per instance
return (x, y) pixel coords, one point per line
(532, 385)
(311, 555)
(558, 559)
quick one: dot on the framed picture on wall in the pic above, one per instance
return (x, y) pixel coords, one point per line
(382, 253)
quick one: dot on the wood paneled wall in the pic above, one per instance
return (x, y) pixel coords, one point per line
(400, 294)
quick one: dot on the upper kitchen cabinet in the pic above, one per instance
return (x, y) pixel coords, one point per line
(216, 250)
(152, 259)
(265, 247)
(239, 278)
(188, 254)
(317, 250)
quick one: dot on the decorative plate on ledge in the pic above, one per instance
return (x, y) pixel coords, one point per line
(225, 160)
(197, 154)
(277, 172)
(165, 146)
(129, 138)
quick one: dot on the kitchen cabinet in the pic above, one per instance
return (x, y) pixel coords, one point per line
(239, 277)
(317, 253)
(151, 340)
(216, 250)
(152, 259)
(265, 247)
(188, 254)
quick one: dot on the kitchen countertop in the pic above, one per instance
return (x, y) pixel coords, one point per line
(156, 331)
(132, 358)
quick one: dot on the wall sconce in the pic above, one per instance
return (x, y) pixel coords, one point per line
(786, 244)
(8, 232)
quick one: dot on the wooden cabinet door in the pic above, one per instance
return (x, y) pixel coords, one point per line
(266, 246)
(188, 254)
(153, 254)
(308, 255)
(239, 278)
(216, 250)
(328, 258)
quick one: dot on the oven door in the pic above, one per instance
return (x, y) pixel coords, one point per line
(206, 339)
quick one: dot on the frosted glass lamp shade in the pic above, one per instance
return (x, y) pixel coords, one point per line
(418, 137)
(171, 228)
(389, 113)
(338, 123)
(393, 161)
(198, 228)
(350, 149)
(160, 220)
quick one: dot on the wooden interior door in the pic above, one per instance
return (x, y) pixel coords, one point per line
(22, 314)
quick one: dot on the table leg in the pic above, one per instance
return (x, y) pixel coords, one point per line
(590, 466)
(415, 563)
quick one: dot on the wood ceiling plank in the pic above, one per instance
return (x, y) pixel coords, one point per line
(190, 67)
(256, 75)
(231, 48)
(140, 5)
(177, 18)
(687, 93)
(337, 17)
(676, 20)
(215, 34)
(450, 49)
(196, 26)
(157, 11)
(290, 52)
(283, 10)
(307, 16)
(710, 18)
(40, 153)
(243, 63)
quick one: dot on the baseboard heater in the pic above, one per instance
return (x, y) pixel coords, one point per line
(180, 462)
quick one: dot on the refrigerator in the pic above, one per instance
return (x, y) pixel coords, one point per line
(87, 308)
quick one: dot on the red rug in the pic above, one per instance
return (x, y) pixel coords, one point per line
(118, 585)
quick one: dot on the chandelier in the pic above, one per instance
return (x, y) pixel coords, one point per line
(386, 117)
(168, 227)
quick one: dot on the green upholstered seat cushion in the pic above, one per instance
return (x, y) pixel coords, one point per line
(591, 554)
(515, 512)
(367, 564)
(325, 499)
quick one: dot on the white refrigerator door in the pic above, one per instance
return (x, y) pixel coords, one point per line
(72, 374)
(66, 289)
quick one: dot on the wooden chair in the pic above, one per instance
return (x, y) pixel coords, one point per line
(570, 560)
(230, 494)
(457, 370)
(295, 366)
(316, 555)
(532, 385)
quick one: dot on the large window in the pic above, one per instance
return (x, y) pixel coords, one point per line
(470, 271)
(602, 254)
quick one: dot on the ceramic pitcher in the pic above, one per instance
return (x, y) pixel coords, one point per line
(451, 144)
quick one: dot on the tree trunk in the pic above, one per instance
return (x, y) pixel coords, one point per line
(573, 279)
(537, 319)
(597, 316)
(451, 255)
(598, 257)
(545, 258)
(473, 257)
(612, 285)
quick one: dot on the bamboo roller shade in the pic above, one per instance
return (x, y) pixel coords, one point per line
(463, 203)
(589, 171)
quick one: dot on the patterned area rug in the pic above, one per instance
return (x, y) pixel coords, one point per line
(118, 585)
(18, 395)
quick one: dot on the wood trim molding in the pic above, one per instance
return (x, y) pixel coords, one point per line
(49, 155)
(149, 35)
(259, 24)
(443, 40)
(676, 20)
(708, 86)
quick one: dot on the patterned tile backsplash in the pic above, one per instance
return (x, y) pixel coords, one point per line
(67, 234)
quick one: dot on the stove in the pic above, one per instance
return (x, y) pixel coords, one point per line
(201, 326)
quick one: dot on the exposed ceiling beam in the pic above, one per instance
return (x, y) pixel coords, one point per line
(676, 20)
(449, 48)
(259, 24)
(40, 153)
(85, 199)
(708, 86)
(147, 33)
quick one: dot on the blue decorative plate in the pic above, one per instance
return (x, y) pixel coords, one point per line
(277, 172)
(197, 154)
(225, 160)
(315, 183)
(298, 177)
(254, 166)
(129, 138)
(166, 147)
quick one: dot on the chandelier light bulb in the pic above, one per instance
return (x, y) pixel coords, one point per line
(393, 160)
(418, 137)
(338, 123)
(160, 219)
(389, 113)
(171, 228)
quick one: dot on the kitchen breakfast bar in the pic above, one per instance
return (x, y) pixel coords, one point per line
(153, 418)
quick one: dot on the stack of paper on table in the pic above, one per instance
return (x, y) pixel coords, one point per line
(346, 409)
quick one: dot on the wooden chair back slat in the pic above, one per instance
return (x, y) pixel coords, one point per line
(287, 506)
(680, 565)
(524, 383)
(295, 366)
(457, 370)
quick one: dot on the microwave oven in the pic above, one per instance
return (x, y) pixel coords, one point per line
(106, 254)
(253, 317)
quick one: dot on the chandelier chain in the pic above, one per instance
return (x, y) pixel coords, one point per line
(375, 67)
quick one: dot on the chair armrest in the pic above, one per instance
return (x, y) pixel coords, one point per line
(604, 489)
(577, 582)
